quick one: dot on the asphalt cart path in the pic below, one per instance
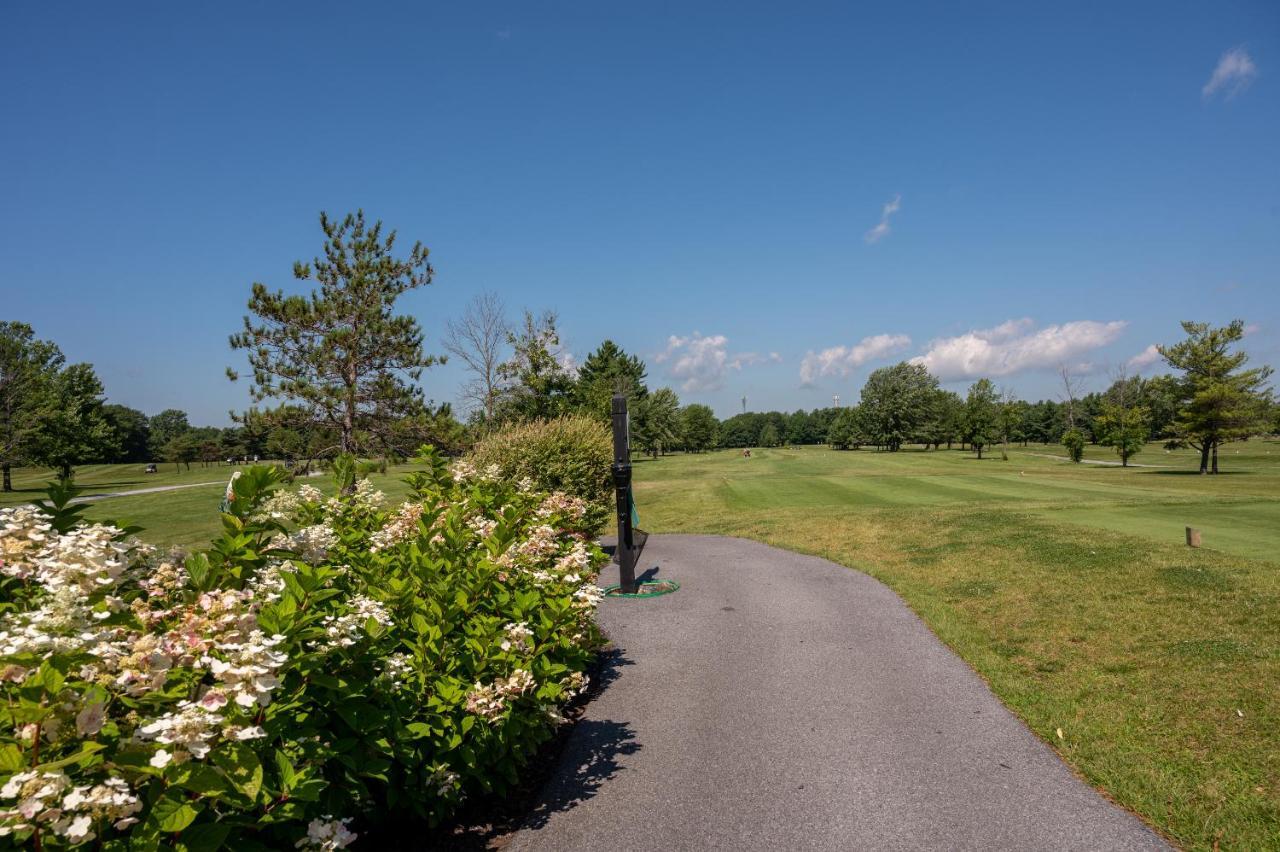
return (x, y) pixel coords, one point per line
(779, 701)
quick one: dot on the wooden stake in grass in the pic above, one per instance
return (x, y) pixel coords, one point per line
(1193, 537)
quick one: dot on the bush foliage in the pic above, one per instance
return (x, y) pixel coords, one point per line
(571, 454)
(326, 663)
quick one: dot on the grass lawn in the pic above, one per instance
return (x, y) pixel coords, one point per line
(1068, 587)
(29, 482)
(187, 517)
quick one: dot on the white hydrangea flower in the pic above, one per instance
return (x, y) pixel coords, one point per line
(328, 834)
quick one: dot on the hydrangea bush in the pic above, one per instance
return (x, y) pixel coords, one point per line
(327, 664)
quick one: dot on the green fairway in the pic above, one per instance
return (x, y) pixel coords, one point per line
(29, 483)
(186, 517)
(1068, 587)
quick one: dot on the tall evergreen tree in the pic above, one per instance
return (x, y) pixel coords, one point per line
(342, 352)
(28, 368)
(1220, 399)
(606, 371)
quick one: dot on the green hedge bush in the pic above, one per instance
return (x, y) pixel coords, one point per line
(572, 454)
(326, 665)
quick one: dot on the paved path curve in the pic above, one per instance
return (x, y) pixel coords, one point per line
(91, 498)
(780, 701)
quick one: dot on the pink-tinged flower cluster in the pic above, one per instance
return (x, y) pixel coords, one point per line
(42, 800)
(488, 701)
(401, 526)
(24, 530)
(562, 505)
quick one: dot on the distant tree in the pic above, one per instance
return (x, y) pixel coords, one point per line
(1159, 395)
(182, 449)
(341, 352)
(1123, 427)
(72, 428)
(164, 427)
(943, 420)
(537, 385)
(1011, 415)
(1123, 422)
(607, 371)
(1073, 437)
(741, 430)
(132, 432)
(698, 427)
(655, 421)
(801, 429)
(769, 436)
(982, 415)
(28, 368)
(896, 402)
(846, 429)
(478, 339)
(1221, 401)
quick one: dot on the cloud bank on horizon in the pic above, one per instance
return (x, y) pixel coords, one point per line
(1016, 346)
(703, 362)
(843, 360)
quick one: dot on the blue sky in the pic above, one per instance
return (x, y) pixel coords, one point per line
(765, 200)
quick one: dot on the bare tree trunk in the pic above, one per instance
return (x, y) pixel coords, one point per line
(8, 476)
(1204, 457)
(1215, 458)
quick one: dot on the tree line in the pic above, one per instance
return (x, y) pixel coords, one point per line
(337, 371)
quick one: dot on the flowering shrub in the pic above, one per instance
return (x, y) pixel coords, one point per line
(572, 454)
(325, 663)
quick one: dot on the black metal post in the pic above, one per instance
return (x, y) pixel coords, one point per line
(622, 488)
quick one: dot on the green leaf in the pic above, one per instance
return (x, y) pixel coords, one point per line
(206, 837)
(242, 767)
(11, 759)
(86, 749)
(202, 779)
(287, 774)
(172, 813)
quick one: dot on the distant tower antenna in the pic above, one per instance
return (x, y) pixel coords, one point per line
(836, 399)
(744, 405)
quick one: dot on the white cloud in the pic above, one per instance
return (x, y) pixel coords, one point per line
(1013, 347)
(701, 363)
(842, 360)
(1235, 71)
(1144, 359)
(882, 230)
(566, 360)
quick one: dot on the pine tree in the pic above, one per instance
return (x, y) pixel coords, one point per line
(341, 352)
(1220, 400)
(607, 371)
